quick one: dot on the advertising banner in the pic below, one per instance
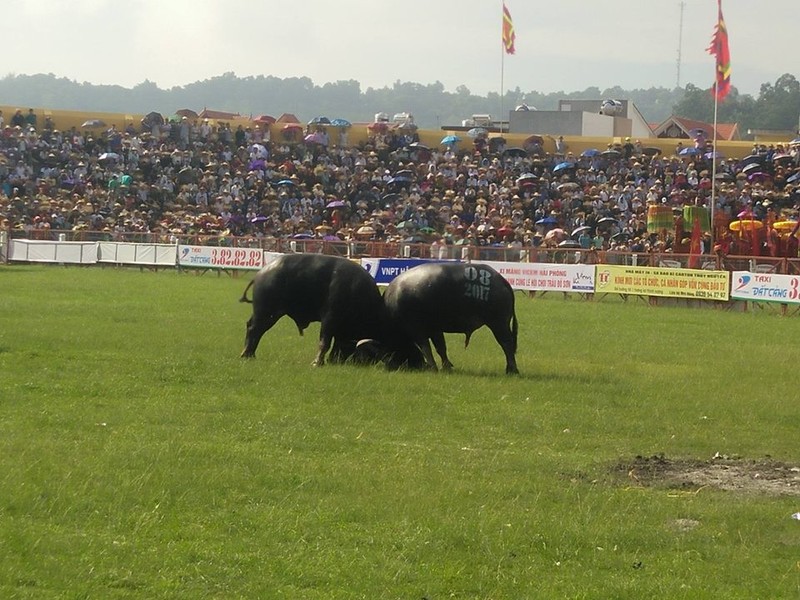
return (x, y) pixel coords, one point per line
(210, 257)
(544, 277)
(384, 270)
(765, 287)
(669, 283)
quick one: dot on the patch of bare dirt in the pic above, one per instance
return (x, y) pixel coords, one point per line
(763, 476)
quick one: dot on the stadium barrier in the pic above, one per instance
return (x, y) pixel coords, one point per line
(691, 278)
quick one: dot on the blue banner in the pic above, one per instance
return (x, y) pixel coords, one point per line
(384, 270)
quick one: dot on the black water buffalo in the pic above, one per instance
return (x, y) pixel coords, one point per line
(430, 300)
(311, 287)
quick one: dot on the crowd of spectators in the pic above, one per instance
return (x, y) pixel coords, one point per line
(190, 177)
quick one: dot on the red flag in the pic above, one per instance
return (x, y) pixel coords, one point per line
(695, 248)
(508, 31)
(719, 48)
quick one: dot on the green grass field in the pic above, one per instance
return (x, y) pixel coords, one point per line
(141, 458)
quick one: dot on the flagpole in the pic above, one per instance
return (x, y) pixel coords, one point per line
(502, 62)
(714, 169)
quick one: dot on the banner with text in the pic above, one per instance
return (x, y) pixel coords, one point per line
(670, 283)
(210, 257)
(544, 277)
(765, 287)
(384, 270)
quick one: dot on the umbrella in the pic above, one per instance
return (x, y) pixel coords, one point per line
(152, 118)
(621, 236)
(93, 123)
(782, 157)
(320, 121)
(265, 119)
(568, 186)
(336, 204)
(365, 230)
(698, 132)
(794, 178)
(745, 225)
(414, 239)
(340, 123)
(285, 182)
(795, 141)
(418, 146)
(713, 155)
(477, 132)
(758, 177)
(690, 151)
(527, 178)
(750, 167)
(186, 112)
(186, 175)
(745, 214)
(450, 139)
(611, 154)
(569, 244)
(563, 166)
(784, 225)
(556, 234)
(651, 151)
(547, 221)
(724, 177)
(402, 179)
(579, 230)
(331, 238)
(752, 158)
(315, 138)
(391, 197)
(427, 230)
(505, 230)
(532, 140)
(259, 219)
(257, 165)
(607, 221)
(590, 152)
(303, 236)
(292, 127)
(406, 225)
(520, 152)
(404, 173)
(108, 156)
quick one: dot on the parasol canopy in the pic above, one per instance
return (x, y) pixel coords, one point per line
(745, 225)
(784, 225)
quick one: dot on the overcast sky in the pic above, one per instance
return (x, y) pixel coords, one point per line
(567, 45)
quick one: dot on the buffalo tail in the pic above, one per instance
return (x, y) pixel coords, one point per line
(244, 295)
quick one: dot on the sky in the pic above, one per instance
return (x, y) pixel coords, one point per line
(564, 45)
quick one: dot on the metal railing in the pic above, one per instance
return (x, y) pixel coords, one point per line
(468, 252)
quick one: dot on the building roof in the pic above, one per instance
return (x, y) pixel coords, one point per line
(217, 114)
(676, 127)
(287, 118)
